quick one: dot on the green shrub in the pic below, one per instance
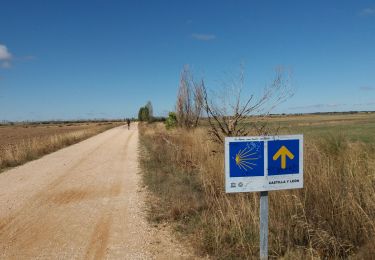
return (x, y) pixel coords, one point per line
(171, 120)
(144, 114)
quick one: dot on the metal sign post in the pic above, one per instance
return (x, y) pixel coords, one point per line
(263, 163)
(263, 216)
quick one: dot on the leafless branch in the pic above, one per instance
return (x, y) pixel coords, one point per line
(189, 100)
(238, 116)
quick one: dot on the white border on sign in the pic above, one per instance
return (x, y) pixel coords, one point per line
(263, 183)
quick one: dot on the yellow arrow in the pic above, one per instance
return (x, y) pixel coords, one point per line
(283, 152)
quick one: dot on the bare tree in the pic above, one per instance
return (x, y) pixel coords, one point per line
(232, 115)
(189, 106)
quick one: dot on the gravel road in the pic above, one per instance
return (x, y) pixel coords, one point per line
(82, 202)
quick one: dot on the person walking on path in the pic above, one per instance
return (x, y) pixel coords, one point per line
(128, 122)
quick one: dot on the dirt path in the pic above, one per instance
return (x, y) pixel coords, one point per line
(82, 202)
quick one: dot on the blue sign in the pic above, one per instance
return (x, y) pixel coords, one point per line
(283, 157)
(263, 163)
(246, 159)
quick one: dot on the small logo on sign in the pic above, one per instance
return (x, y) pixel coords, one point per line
(240, 184)
(233, 185)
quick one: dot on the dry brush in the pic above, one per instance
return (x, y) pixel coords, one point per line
(333, 216)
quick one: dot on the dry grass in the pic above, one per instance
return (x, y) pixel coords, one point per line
(23, 143)
(333, 216)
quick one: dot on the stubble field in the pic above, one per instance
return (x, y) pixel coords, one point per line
(356, 127)
(20, 143)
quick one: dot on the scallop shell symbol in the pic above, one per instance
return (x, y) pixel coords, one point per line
(245, 158)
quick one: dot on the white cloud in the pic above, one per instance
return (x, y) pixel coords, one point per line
(367, 11)
(6, 64)
(28, 57)
(4, 53)
(319, 106)
(5, 57)
(365, 103)
(366, 88)
(203, 36)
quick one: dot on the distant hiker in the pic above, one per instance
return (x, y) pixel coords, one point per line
(128, 122)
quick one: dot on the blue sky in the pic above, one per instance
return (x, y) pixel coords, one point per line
(105, 59)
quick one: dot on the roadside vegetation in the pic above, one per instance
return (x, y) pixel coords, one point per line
(333, 216)
(25, 142)
(145, 114)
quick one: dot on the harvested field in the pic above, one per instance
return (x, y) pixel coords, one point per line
(357, 127)
(24, 142)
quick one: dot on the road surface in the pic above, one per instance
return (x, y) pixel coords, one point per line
(82, 202)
